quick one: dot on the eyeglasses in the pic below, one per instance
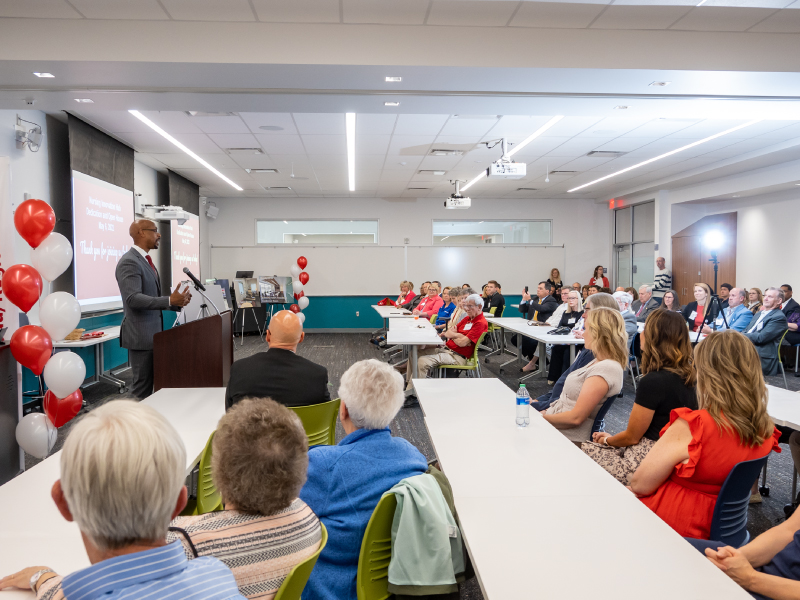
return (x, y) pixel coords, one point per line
(156, 230)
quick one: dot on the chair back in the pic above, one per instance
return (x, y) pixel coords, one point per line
(599, 420)
(319, 421)
(780, 343)
(292, 587)
(433, 319)
(475, 359)
(372, 581)
(208, 497)
(729, 523)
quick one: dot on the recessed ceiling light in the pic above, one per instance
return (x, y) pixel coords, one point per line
(287, 222)
(431, 172)
(736, 195)
(622, 106)
(702, 2)
(202, 113)
(350, 130)
(43, 74)
(84, 100)
(270, 128)
(391, 104)
(393, 79)
(660, 83)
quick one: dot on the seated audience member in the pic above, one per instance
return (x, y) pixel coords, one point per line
(555, 283)
(346, 481)
(560, 352)
(605, 290)
(494, 299)
(123, 468)
(723, 293)
(414, 302)
(668, 383)
(586, 389)
(554, 319)
(755, 300)
(465, 286)
(446, 310)
(646, 304)
(576, 286)
(430, 304)
(736, 314)
(789, 304)
(765, 330)
(406, 293)
(624, 302)
(279, 373)
(438, 285)
(259, 462)
(682, 474)
(460, 341)
(593, 289)
(662, 279)
(671, 301)
(793, 335)
(458, 297)
(585, 293)
(620, 289)
(634, 294)
(536, 309)
(696, 312)
(599, 280)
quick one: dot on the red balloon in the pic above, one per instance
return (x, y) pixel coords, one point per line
(22, 285)
(34, 220)
(302, 262)
(32, 347)
(62, 410)
(294, 308)
(299, 295)
(303, 278)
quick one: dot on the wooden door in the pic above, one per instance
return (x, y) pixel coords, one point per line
(686, 267)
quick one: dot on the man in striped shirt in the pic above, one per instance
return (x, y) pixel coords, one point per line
(122, 473)
(663, 280)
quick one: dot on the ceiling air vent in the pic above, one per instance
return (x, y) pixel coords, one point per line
(279, 188)
(200, 113)
(235, 151)
(419, 189)
(562, 172)
(605, 153)
(261, 170)
(430, 172)
(446, 152)
(527, 189)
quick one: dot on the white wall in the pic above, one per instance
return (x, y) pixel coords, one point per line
(582, 226)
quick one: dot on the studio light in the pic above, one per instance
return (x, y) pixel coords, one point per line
(713, 240)
(350, 127)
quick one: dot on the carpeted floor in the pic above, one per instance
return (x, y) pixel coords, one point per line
(337, 351)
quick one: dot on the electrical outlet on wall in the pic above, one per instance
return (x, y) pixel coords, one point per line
(356, 313)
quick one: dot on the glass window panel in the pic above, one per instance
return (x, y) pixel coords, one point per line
(474, 233)
(622, 230)
(644, 264)
(623, 266)
(644, 218)
(316, 232)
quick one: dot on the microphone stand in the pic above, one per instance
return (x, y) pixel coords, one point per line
(714, 300)
(203, 307)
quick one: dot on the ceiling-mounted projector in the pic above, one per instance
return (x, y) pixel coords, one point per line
(456, 200)
(164, 213)
(505, 168)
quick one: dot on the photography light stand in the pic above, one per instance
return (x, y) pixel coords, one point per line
(714, 300)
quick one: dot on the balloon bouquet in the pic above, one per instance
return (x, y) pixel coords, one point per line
(59, 313)
(299, 281)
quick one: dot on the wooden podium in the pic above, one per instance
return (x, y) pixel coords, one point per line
(198, 354)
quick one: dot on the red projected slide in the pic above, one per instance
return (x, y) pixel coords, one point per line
(185, 249)
(101, 216)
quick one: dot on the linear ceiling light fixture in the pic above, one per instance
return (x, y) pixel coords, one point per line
(517, 148)
(670, 153)
(350, 128)
(172, 140)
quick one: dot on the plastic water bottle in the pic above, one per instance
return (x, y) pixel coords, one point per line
(523, 406)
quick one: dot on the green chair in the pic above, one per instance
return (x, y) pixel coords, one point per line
(372, 582)
(208, 497)
(780, 361)
(493, 332)
(473, 366)
(433, 319)
(292, 587)
(319, 421)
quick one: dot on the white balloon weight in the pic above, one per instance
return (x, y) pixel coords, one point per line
(302, 317)
(59, 313)
(297, 286)
(36, 434)
(302, 303)
(295, 270)
(64, 373)
(52, 257)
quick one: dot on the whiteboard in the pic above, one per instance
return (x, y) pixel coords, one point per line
(378, 270)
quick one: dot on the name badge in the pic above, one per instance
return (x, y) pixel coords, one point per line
(571, 321)
(693, 315)
(760, 326)
(719, 321)
(468, 326)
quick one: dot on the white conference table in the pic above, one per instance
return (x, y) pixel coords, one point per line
(540, 519)
(33, 532)
(784, 407)
(110, 333)
(538, 333)
(412, 333)
(387, 312)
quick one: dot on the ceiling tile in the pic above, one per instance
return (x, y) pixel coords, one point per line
(256, 120)
(783, 21)
(232, 124)
(286, 160)
(375, 124)
(372, 161)
(234, 140)
(281, 144)
(147, 159)
(571, 126)
(177, 161)
(390, 12)
(410, 145)
(419, 124)
(320, 123)
(336, 162)
(639, 17)
(466, 126)
(715, 18)
(37, 9)
(121, 9)
(254, 161)
(207, 10)
(147, 141)
(199, 143)
(556, 15)
(297, 11)
(661, 127)
(325, 144)
(468, 12)
(541, 146)
(170, 121)
(372, 144)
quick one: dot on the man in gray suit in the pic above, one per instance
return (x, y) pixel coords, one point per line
(140, 288)
(645, 304)
(766, 328)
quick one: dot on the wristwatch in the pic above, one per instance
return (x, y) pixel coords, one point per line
(36, 576)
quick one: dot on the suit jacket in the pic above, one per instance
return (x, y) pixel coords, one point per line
(738, 318)
(790, 306)
(497, 301)
(545, 307)
(142, 301)
(692, 308)
(278, 374)
(630, 325)
(767, 338)
(651, 305)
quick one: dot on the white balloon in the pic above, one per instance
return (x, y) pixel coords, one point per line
(302, 302)
(59, 313)
(302, 317)
(297, 286)
(52, 257)
(295, 270)
(36, 434)
(64, 373)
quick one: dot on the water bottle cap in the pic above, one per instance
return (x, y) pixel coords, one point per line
(521, 385)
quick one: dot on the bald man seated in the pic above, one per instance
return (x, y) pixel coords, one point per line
(279, 373)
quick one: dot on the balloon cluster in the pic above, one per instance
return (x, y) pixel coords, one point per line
(59, 312)
(299, 281)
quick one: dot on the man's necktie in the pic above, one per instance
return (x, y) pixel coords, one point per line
(150, 260)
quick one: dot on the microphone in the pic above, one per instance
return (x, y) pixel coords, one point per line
(194, 279)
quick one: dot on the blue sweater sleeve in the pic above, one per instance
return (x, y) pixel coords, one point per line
(315, 490)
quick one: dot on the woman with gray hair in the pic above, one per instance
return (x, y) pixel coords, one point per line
(624, 301)
(346, 481)
(122, 472)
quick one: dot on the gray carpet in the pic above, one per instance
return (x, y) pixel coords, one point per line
(337, 351)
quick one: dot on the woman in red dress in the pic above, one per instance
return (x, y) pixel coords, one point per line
(682, 475)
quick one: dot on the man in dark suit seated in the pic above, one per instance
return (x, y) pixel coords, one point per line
(279, 373)
(789, 304)
(537, 309)
(494, 299)
(766, 328)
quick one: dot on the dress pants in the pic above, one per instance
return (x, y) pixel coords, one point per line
(433, 357)
(142, 367)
